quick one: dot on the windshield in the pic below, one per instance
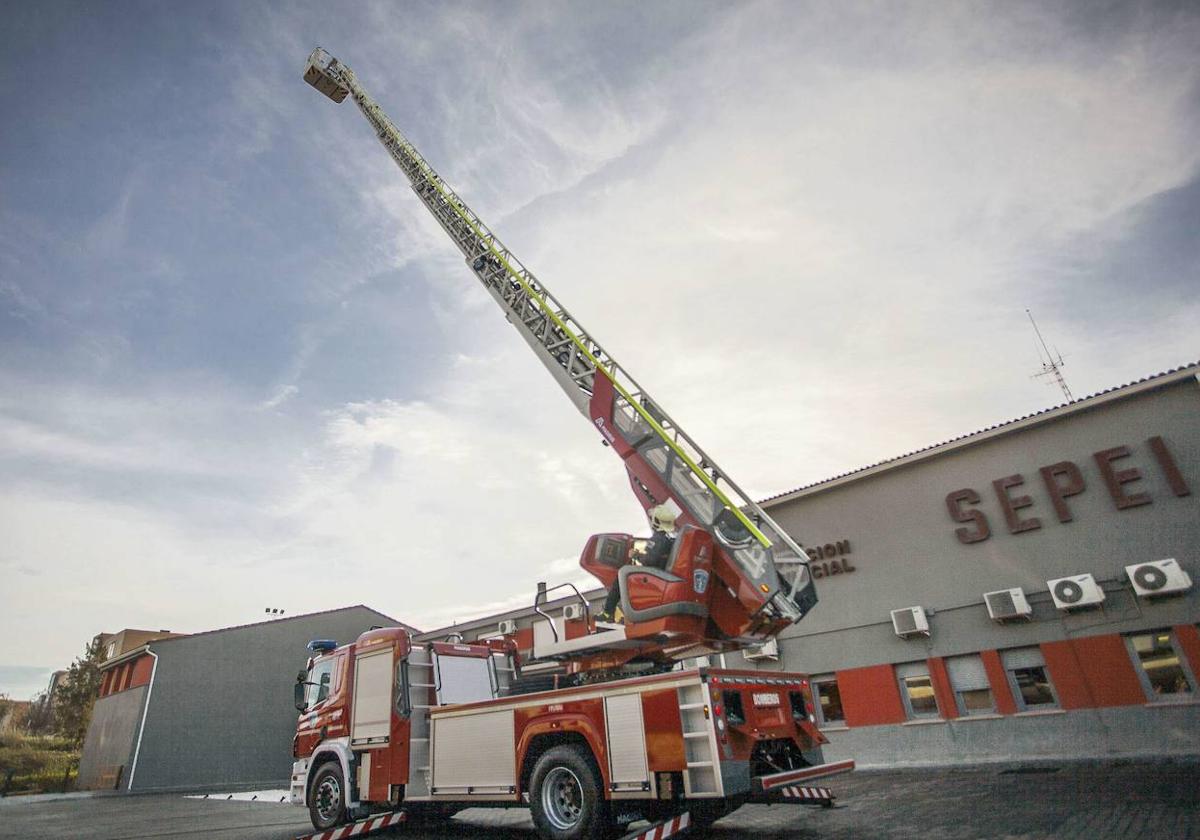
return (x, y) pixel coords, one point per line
(319, 679)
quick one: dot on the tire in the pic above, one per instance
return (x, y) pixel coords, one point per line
(566, 796)
(327, 799)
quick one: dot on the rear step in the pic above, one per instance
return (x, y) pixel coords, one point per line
(771, 784)
(796, 794)
(361, 828)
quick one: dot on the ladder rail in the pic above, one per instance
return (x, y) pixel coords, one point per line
(474, 239)
(568, 350)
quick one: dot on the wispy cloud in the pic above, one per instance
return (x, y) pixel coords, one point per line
(237, 356)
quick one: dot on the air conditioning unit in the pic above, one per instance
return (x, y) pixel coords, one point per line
(1161, 577)
(767, 650)
(1075, 592)
(910, 621)
(1007, 604)
(508, 627)
(573, 612)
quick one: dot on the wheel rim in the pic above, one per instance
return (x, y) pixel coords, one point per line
(329, 799)
(562, 798)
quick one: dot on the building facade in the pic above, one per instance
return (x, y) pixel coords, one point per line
(208, 710)
(116, 644)
(1088, 488)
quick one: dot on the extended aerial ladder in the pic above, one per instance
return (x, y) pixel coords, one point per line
(764, 575)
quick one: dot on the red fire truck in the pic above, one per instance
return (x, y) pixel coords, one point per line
(591, 723)
(437, 727)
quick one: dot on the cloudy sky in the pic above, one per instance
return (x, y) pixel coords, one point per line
(240, 367)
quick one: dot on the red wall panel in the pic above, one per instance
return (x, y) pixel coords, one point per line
(142, 667)
(1001, 692)
(1066, 675)
(941, 687)
(870, 696)
(1109, 671)
(1093, 671)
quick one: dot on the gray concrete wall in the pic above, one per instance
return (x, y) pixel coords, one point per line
(221, 712)
(108, 748)
(1161, 730)
(905, 552)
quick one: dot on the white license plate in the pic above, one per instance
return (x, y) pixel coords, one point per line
(766, 698)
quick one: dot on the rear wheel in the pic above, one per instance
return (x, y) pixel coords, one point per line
(567, 796)
(327, 801)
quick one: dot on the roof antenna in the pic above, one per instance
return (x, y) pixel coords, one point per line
(1052, 363)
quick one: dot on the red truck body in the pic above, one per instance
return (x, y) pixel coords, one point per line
(435, 726)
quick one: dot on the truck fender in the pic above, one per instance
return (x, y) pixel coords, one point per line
(339, 748)
(563, 723)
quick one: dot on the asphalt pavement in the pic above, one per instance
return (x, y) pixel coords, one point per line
(1088, 801)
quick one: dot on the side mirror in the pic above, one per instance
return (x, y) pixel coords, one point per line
(299, 692)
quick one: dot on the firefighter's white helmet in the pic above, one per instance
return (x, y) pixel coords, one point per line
(662, 518)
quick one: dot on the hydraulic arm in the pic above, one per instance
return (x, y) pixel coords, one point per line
(767, 584)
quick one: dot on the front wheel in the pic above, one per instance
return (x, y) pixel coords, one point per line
(567, 796)
(327, 802)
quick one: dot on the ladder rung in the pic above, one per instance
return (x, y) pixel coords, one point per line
(685, 707)
(418, 739)
(695, 734)
(692, 764)
(421, 685)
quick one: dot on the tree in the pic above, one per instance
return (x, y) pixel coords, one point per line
(39, 717)
(75, 695)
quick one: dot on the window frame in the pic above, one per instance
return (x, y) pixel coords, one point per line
(1014, 687)
(963, 711)
(815, 684)
(1190, 696)
(901, 680)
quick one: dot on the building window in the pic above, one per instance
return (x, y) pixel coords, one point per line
(828, 701)
(916, 689)
(1031, 687)
(972, 691)
(1163, 674)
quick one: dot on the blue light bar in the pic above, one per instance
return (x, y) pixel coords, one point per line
(322, 645)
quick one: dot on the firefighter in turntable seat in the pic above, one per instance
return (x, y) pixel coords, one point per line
(657, 555)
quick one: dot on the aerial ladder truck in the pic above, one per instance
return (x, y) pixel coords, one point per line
(590, 723)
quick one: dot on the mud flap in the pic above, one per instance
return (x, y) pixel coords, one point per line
(361, 828)
(675, 826)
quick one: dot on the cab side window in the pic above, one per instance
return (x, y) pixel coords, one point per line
(320, 680)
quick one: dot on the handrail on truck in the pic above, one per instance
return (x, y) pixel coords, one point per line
(540, 598)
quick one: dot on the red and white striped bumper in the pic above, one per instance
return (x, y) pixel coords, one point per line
(360, 828)
(817, 795)
(772, 783)
(673, 827)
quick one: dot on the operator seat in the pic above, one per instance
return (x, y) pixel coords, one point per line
(681, 589)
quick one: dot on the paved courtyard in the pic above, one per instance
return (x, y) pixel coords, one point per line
(1122, 801)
